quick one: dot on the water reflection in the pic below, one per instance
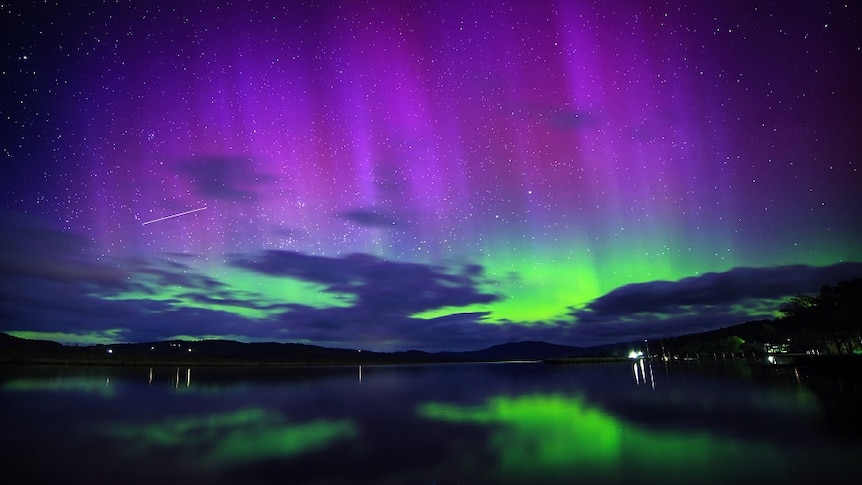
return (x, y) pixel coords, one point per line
(226, 439)
(556, 436)
(642, 372)
(482, 423)
(185, 380)
(62, 382)
(96, 385)
(94, 380)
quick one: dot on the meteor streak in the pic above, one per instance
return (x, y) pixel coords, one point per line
(174, 215)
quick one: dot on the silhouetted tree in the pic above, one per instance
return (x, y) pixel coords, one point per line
(840, 307)
(833, 317)
(799, 306)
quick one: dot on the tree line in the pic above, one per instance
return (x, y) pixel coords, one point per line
(829, 321)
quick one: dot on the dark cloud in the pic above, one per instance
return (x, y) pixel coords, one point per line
(52, 282)
(370, 217)
(719, 288)
(318, 269)
(32, 249)
(222, 177)
(388, 293)
(380, 286)
(385, 296)
(155, 299)
(701, 303)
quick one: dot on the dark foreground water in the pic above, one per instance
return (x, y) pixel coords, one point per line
(437, 424)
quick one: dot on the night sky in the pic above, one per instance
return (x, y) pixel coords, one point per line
(423, 175)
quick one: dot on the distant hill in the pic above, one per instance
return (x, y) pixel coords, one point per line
(527, 350)
(227, 352)
(743, 337)
(14, 348)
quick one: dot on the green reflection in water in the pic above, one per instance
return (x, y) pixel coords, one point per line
(546, 436)
(231, 438)
(91, 385)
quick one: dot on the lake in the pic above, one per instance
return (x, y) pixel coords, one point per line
(506, 423)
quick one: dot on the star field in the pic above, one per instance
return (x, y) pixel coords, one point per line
(423, 175)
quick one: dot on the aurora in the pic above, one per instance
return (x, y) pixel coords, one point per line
(397, 175)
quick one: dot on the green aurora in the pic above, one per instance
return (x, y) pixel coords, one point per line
(554, 436)
(232, 438)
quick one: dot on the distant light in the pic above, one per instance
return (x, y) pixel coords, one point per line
(110, 351)
(635, 354)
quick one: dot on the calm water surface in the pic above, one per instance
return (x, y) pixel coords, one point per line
(433, 424)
